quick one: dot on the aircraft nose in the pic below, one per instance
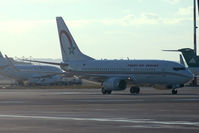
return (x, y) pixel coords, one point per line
(190, 75)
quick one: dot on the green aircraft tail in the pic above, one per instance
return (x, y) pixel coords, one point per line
(191, 59)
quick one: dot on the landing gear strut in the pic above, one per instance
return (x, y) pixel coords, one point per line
(104, 91)
(174, 91)
(134, 90)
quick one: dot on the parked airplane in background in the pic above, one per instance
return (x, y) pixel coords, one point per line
(31, 74)
(116, 74)
(191, 59)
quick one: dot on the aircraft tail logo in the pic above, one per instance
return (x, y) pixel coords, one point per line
(192, 61)
(69, 48)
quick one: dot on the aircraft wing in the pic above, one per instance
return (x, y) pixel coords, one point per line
(45, 76)
(46, 62)
(66, 74)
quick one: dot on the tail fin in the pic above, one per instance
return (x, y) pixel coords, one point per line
(2, 60)
(10, 63)
(1, 56)
(69, 49)
(7, 62)
(191, 59)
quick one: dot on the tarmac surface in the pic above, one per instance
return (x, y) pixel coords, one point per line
(88, 111)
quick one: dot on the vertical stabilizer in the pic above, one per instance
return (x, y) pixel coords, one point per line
(189, 55)
(1, 56)
(3, 62)
(10, 63)
(69, 49)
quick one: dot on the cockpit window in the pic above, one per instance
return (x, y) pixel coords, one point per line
(179, 68)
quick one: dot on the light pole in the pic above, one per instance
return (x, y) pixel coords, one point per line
(195, 27)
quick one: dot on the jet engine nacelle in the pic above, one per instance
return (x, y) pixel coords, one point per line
(114, 84)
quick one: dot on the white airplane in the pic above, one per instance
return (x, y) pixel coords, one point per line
(116, 74)
(31, 74)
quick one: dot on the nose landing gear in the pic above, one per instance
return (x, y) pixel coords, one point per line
(174, 91)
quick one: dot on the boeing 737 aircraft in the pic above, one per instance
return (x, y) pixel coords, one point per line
(31, 74)
(116, 74)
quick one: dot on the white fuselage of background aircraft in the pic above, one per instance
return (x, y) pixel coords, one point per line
(33, 74)
(24, 72)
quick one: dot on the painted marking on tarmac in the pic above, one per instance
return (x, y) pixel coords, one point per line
(127, 100)
(8, 102)
(161, 126)
(124, 120)
(71, 93)
(106, 100)
(191, 99)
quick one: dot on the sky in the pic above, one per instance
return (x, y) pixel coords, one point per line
(103, 29)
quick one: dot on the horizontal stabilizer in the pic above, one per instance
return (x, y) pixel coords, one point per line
(180, 50)
(171, 50)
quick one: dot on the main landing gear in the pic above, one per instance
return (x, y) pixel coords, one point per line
(174, 92)
(135, 90)
(104, 91)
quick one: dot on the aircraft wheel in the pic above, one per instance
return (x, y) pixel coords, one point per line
(106, 91)
(174, 92)
(109, 91)
(135, 90)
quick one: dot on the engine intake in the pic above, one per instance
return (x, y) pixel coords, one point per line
(114, 84)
